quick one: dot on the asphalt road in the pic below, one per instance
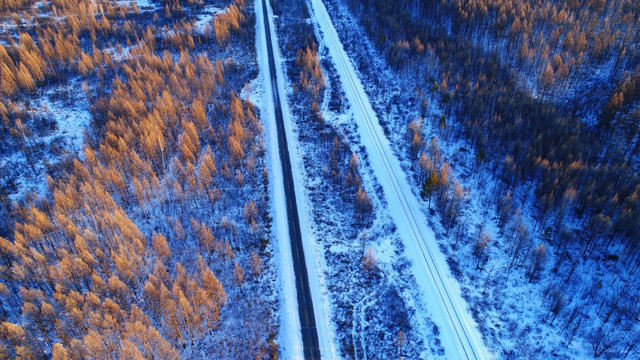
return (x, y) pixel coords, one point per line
(305, 305)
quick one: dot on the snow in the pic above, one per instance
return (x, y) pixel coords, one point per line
(145, 4)
(68, 109)
(71, 121)
(460, 336)
(120, 53)
(205, 19)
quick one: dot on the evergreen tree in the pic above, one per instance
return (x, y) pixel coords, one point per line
(429, 186)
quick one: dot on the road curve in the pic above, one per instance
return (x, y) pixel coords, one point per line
(440, 291)
(310, 342)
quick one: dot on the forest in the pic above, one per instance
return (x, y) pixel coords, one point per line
(136, 208)
(542, 137)
(152, 240)
(542, 98)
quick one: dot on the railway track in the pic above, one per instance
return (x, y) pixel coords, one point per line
(411, 218)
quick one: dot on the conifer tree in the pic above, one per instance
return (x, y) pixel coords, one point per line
(429, 187)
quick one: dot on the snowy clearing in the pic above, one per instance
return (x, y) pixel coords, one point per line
(204, 21)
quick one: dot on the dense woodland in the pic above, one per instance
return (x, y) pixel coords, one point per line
(545, 94)
(590, 171)
(154, 241)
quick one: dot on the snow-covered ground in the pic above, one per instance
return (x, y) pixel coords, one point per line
(67, 110)
(142, 4)
(440, 290)
(204, 21)
(71, 121)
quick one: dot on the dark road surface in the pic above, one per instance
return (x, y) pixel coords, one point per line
(305, 304)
